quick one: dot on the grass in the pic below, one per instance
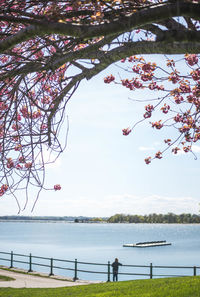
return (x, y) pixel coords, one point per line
(4, 278)
(167, 287)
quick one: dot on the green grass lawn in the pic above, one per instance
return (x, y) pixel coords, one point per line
(167, 287)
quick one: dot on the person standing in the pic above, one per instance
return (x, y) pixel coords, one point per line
(115, 265)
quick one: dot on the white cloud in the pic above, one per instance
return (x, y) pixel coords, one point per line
(105, 206)
(196, 148)
(146, 148)
(150, 148)
(110, 205)
(152, 204)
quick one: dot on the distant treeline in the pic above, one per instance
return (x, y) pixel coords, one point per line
(79, 219)
(170, 218)
(40, 218)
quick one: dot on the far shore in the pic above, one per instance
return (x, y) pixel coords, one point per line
(169, 218)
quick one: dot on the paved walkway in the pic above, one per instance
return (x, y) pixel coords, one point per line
(25, 280)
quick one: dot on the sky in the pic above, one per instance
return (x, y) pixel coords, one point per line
(102, 172)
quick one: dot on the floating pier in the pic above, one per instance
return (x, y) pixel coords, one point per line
(147, 244)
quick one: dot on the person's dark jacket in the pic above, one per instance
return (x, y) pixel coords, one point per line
(115, 265)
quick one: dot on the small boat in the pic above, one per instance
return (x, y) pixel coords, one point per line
(147, 244)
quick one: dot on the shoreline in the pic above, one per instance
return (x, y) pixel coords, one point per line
(90, 222)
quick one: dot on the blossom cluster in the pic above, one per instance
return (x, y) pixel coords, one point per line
(181, 99)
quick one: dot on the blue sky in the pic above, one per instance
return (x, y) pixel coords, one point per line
(103, 172)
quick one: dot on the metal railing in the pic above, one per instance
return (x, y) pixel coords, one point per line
(75, 267)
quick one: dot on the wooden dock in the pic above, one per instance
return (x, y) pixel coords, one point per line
(147, 244)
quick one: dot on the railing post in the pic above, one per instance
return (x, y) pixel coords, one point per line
(195, 271)
(51, 266)
(75, 270)
(30, 263)
(151, 271)
(108, 271)
(11, 259)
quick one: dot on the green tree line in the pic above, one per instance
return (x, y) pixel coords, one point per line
(169, 218)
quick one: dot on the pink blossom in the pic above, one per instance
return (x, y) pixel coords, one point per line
(126, 131)
(192, 59)
(57, 187)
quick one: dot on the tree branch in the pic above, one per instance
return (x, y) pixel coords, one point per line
(143, 17)
(144, 47)
(106, 58)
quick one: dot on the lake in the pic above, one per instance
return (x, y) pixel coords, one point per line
(102, 243)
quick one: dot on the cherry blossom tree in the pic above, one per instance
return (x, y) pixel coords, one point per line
(48, 47)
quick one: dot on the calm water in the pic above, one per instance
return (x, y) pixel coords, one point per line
(102, 243)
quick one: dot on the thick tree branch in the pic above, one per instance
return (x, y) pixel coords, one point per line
(145, 47)
(178, 36)
(143, 17)
(106, 58)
